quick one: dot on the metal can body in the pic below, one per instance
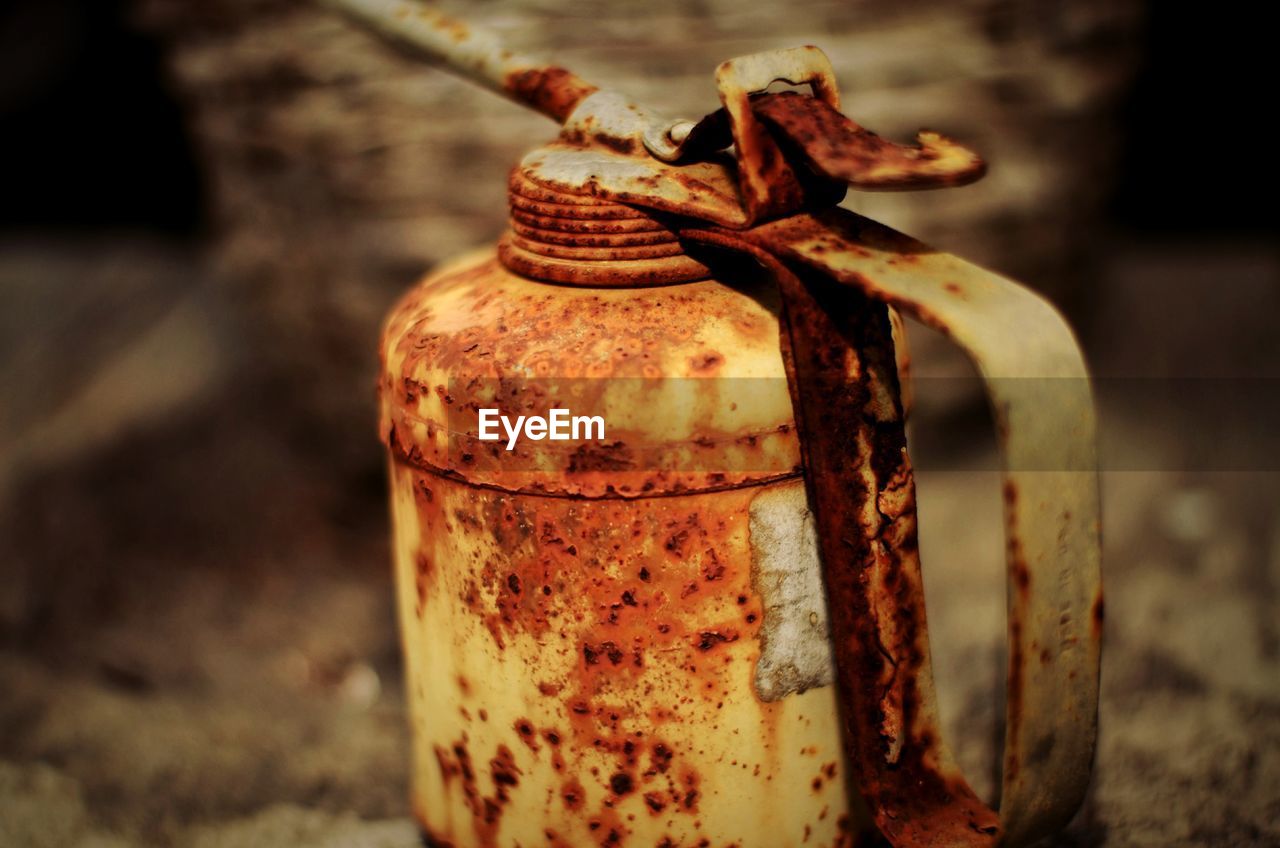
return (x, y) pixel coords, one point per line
(582, 672)
(606, 654)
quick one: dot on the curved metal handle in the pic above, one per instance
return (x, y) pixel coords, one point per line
(844, 382)
(1039, 389)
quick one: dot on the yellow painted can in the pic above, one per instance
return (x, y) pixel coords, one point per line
(622, 642)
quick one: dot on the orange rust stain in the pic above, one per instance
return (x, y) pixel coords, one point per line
(528, 735)
(573, 795)
(552, 90)
(1015, 686)
(486, 810)
(607, 828)
(503, 771)
(649, 601)
(422, 579)
(1021, 576)
(455, 30)
(1016, 557)
(707, 362)
(513, 337)
(891, 741)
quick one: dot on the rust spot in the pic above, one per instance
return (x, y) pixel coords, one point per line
(661, 758)
(841, 149)
(706, 362)
(1016, 557)
(621, 783)
(593, 653)
(676, 542)
(552, 90)
(1097, 616)
(1021, 574)
(448, 767)
(503, 770)
(527, 733)
(456, 31)
(422, 580)
(1015, 686)
(708, 639)
(485, 810)
(611, 456)
(620, 145)
(572, 794)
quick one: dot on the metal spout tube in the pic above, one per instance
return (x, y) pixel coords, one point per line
(472, 52)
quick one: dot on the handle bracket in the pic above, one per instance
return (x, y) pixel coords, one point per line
(840, 274)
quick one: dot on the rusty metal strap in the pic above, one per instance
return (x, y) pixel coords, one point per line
(838, 273)
(837, 147)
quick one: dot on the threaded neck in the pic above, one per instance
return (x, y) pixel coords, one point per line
(582, 240)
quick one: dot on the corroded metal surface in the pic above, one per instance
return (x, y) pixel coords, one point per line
(591, 670)
(768, 184)
(839, 148)
(1039, 389)
(688, 376)
(601, 154)
(844, 387)
(558, 238)
(619, 202)
(706, 189)
(580, 674)
(862, 493)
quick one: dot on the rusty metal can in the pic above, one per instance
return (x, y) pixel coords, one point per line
(625, 642)
(703, 622)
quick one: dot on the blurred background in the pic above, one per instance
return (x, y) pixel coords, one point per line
(205, 210)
